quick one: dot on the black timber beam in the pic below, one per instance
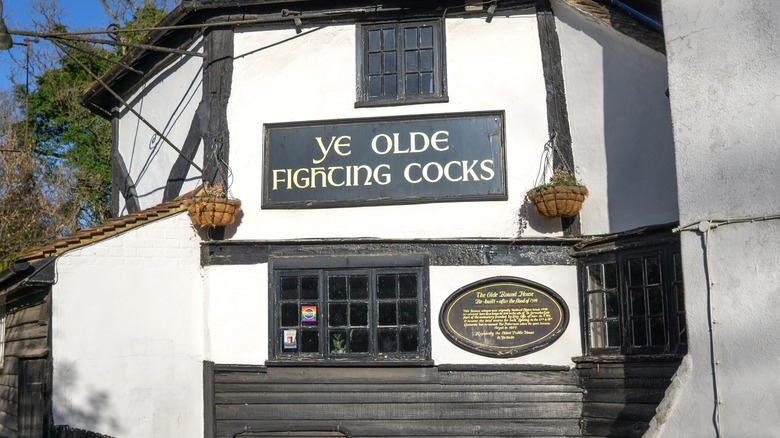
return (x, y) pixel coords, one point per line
(439, 253)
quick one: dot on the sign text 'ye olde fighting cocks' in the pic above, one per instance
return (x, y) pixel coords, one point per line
(431, 158)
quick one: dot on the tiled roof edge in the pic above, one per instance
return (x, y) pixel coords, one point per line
(112, 227)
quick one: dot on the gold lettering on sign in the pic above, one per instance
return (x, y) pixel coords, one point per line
(506, 323)
(502, 317)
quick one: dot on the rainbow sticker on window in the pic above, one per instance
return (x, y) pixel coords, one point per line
(308, 313)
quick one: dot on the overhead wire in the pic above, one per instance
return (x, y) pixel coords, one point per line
(109, 42)
(99, 56)
(127, 105)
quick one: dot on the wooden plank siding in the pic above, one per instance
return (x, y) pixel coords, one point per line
(385, 402)
(27, 326)
(621, 398)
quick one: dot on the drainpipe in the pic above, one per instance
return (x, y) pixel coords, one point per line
(644, 19)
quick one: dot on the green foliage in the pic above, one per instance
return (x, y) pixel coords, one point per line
(66, 133)
(55, 156)
(560, 177)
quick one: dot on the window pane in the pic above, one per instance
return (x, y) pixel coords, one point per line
(612, 304)
(639, 332)
(597, 339)
(374, 63)
(358, 341)
(337, 288)
(657, 332)
(426, 60)
(637, 302)
(310, 341)
(337, 315)
(655, 300)
(289, 315)
(683, 331)
(388, 37)
(358, 314)
(388, 314)
(389, 62)
(374, 40)
(610, 276)
(388, 340)
(594, 277)
(289, 288)
(613, 333)
(410, 37)
(596, 305)
(407, 312)
(374, 86)
(412, 84)
(391, 85)
(678, 289)
(677, 264)
(426, 36)
(409, 341)
(407, 283)
(653, 267)
(426, 84)
(309, 290)
(338, 342)
(635, 272)
(358, 287)
(385, 286)
(410, 61)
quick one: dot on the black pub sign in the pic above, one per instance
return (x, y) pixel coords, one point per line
(391, 160)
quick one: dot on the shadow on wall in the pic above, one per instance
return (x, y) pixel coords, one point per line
(639, 146)
(148, 149)
(86, 418)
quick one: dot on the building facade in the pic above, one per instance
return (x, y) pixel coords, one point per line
(387, 275)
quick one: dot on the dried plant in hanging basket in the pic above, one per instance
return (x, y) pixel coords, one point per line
(558, 201)
(210, 207)
(213, 211)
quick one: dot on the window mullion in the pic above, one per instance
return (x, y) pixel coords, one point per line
(323, 313)
(400, 53)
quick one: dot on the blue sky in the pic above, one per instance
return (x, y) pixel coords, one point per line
(17, 13)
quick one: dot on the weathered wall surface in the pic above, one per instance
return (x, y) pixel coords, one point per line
(127, 334)
(312, 77)
(723, 64)
(168, 101)
(620, 124)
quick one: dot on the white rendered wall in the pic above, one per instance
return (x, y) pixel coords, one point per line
(237, 326)
(127, 334)
(278, 78)
(620, 124)
(723, 79)
(237, 314)
(168, 101)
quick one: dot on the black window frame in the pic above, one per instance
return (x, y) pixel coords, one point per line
(337, 267)
(668, 282)
(401, 97)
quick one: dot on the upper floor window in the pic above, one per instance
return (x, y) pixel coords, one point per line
(364, 314)
(401, 63)
(634, 303)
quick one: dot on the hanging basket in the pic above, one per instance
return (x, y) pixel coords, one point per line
(558, 201)
(213, 211)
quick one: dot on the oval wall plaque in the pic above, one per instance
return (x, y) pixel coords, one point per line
(503, 317)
